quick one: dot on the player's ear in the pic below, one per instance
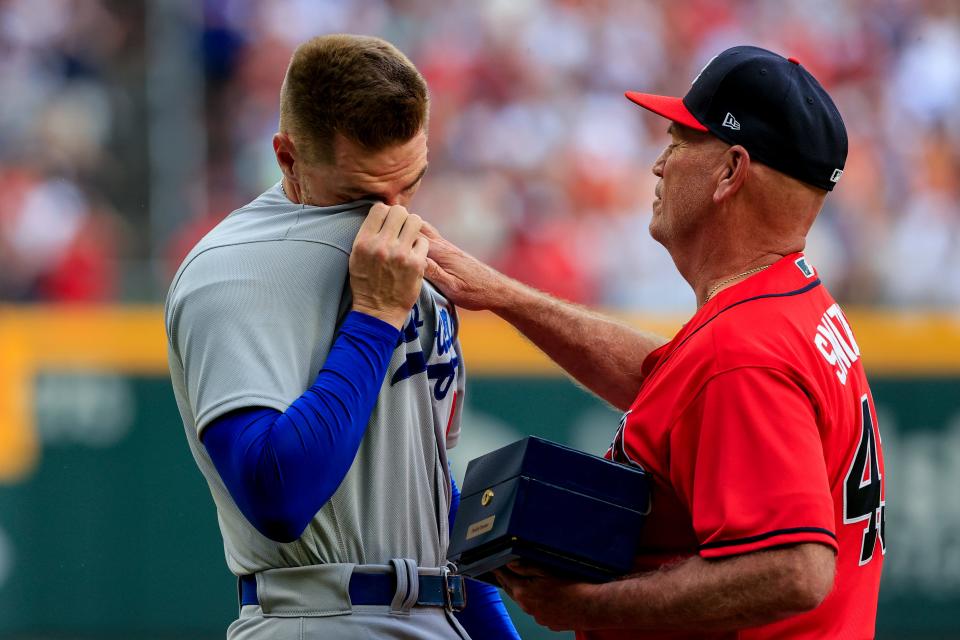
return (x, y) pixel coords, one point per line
(735, 165)
(286, 153)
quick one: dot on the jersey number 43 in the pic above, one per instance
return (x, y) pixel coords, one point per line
(863, 488)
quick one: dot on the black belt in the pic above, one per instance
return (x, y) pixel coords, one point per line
(446, 591)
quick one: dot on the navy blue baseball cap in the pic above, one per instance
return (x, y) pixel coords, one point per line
(770, 105)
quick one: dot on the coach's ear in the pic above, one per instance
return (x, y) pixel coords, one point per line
(735, 164)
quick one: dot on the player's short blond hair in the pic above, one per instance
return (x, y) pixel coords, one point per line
(360, 87)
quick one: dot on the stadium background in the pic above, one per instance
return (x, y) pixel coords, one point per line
(128, 129)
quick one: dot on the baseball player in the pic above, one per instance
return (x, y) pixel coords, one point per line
(320, 378)
(755, 421)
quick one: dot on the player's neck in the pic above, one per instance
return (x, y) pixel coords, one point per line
(290, 190)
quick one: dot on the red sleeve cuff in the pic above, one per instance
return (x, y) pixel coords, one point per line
(775, 538)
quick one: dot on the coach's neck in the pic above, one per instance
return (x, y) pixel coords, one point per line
(766, 218)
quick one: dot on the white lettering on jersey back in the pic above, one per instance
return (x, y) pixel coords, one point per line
(834, 340)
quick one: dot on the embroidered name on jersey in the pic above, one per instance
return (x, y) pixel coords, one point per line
(834, 340)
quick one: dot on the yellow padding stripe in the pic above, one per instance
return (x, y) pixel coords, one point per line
(891, 343)
(131, 340)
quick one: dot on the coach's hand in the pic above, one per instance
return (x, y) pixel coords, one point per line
(554, 602)
(466, 281)
(387, 263)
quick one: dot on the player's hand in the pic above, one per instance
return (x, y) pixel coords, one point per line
(387, 263)
(554, 602)
(466, 281)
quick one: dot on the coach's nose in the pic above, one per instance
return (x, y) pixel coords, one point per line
(661, 160)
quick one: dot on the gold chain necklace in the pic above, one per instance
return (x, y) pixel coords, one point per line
(717, 286)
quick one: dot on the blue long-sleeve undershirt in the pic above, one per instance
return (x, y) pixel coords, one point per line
(281, 468)
(485, 615)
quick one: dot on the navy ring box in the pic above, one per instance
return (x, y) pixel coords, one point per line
(536, 500)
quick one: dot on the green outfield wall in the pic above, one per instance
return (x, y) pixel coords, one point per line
(109, 531)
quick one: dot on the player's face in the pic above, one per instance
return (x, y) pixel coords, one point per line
(391, 176)
(684, 191)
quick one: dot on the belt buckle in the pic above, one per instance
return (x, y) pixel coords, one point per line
(449, 591)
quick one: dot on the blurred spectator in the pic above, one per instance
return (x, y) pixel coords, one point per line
(56, 245)
(537, 163)
(60, 240)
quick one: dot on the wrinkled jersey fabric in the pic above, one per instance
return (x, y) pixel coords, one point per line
(281, 467)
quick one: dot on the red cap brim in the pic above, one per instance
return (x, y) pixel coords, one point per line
(669, 107)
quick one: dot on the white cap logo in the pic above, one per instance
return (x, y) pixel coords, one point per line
(731, 122)
(836, 175)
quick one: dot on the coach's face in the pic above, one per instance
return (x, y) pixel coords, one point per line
(391, 176)
(684, 193)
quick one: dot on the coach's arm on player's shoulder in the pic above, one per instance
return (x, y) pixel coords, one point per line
(695, 594)
(601, 353)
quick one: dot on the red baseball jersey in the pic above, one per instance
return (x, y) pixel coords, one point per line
(758, 428)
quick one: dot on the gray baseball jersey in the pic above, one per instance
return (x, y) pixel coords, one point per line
(250, 317)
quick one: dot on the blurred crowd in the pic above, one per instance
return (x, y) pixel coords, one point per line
(537, 162)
